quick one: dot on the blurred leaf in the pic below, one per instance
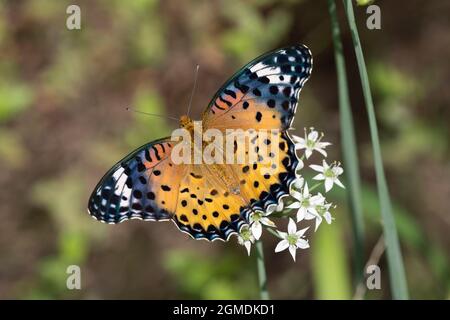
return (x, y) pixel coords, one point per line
(388, 81)
(147, 127)
(12, 152)
(252, 33)
(205, 278)
(329, 263)
(64, 77)
(412, 235)
(65, 199)
(364, 2)
(14, 98)
(148, 43)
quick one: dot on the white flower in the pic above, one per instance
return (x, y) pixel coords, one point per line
(306, 203)
(275, 208)
(299, 167)
(246, 239)
(257, 219)
(298, 183)
(328, 173)
(322, 210)
(310, 143)
(293, 239)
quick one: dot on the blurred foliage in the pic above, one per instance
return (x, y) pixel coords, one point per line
(364, 2)
(329, 263)
(201, 277)
(12, 151)
(74, 234)
(397, 92)
(15, 96)
(252, 32)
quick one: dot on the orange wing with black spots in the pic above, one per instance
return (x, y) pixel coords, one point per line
(208, 208)
(140, 186)
(264, 94)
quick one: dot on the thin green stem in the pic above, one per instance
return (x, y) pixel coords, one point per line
(318, 184)
(348, 143)
(262, 277)
(270, 230)
(397, 276)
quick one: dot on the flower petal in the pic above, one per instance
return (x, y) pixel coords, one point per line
(300, 165)
(297, 139)
(301, 213)
(318, 222)
(267, 222)
(328, 184)
(248, 246)
(323, 152)
(296, 195)
(282, 234)
(328, 217)
(282, 245)
(313, 135)
(308, 153)
(280, 207)
(256, 229)
(319, 176)
(294, 205)
(292, 226)
(316, 167)
(305, 193)
(302, 243)
(293, 250)
(338, 171)
(301, 232)
(339, 183)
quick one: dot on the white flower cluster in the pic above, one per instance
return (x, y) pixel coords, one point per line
(303, 204)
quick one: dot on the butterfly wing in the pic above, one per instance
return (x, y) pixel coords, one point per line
(263, 94)
(143, 185)
(208, 209)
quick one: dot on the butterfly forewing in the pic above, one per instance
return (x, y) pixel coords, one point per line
(263, 94)
(139, 186)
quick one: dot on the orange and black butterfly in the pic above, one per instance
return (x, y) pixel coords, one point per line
(214, 201)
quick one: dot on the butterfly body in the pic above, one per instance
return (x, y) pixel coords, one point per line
(214, 199)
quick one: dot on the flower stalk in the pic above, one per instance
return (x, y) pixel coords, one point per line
(262, 277)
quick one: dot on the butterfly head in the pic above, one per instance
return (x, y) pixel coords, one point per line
(186, 123)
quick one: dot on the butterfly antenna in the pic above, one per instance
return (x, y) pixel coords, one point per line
(152, 114)
(193, 89)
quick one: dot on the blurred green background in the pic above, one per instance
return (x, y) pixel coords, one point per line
(63, 124)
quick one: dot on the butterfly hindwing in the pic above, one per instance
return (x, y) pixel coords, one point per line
(264, 93)
(207, 209)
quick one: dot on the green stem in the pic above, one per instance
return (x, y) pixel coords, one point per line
(397, 276)
(270, 230)
(262, 278)
(318, 184)
(349, 148)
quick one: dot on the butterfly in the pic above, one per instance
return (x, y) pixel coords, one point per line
(214, 201)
